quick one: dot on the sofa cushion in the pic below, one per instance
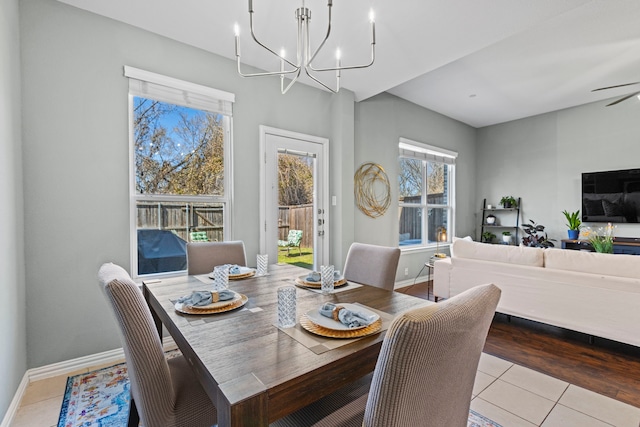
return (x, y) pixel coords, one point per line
(520, 255)
(593, 262)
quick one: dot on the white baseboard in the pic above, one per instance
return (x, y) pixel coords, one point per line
(15, 403)
(410, 282)
(65, 367)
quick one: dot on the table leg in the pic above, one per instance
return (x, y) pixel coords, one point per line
(238, 404)
(154, 315)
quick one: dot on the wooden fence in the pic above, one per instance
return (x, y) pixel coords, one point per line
(183, 218)
(296, 218)
(411, 218)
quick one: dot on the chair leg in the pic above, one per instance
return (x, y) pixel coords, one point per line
(134, 418)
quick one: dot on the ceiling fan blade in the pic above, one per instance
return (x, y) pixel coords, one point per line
(613, 87)
(624, 98)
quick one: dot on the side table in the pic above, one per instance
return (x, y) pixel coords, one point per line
(431, 266)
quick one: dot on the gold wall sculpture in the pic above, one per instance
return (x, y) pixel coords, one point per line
(371, 189)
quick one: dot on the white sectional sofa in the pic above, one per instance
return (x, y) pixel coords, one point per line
(597, 294)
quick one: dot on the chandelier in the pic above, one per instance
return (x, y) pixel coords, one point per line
(304, 55)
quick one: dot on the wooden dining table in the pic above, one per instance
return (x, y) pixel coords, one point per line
(255, 372)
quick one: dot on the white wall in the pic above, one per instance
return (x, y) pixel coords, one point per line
(541, 159)
(13, 357)
(380, 122)
(77, 154)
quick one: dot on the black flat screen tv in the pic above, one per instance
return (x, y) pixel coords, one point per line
(611, 196)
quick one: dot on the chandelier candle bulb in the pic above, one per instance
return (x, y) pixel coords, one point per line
(236, 30)
(373, 26)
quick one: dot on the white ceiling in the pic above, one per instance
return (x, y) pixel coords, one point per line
(478, 61)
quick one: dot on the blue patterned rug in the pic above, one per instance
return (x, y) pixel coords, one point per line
(96, 399)
(101, 399)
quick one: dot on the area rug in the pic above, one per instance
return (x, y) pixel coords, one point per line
(101, 399)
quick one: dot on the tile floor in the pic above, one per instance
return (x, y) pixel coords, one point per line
(509, 394)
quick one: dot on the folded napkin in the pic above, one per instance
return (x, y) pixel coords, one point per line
(202, 298)
(352, 319)
(231, 268)
(314, 276)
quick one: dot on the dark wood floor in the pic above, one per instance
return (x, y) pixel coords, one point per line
(605, 367)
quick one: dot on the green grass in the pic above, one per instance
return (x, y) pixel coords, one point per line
(305, 260)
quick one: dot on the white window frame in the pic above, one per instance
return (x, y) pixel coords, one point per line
(179, 92)
(430, 153)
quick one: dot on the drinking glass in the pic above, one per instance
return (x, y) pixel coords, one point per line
(220, 278)
(286, 306)
(262, 263)
(326, 276)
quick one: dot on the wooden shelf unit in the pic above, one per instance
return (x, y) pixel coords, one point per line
(501, 213)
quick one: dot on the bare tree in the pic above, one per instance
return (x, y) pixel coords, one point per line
(295, 180)
(410, 178)
(178, 150)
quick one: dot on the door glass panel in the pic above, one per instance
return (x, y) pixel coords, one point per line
(295, 209)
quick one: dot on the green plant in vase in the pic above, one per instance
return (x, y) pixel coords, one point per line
(602, 238)
(488, 237)
(573, 222)
(506, 237)
(508, 202)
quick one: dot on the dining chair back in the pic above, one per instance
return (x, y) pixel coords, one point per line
(203, 256)
(164, 392)
(424, 374)
(372, 265)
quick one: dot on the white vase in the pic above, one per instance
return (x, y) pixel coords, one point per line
(506, 239)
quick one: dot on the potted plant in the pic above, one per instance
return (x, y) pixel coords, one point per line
(487, 237)
(573, 222)
(536, 236)
(508, 202)
(506, 237)
(602, 238)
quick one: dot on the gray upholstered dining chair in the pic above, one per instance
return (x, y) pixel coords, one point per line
(425, 372)
(164, 392)
(372, 265)
(203, 256)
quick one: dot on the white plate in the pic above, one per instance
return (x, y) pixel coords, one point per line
(304, 279)
(243, 271)
(327, 322)
(236, 297)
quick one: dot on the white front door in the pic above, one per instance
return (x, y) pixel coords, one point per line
(312, 150)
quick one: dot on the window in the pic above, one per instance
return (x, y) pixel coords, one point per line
(426, 194)
(180, 137)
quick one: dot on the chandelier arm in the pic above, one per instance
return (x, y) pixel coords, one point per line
(284, 90)
(268, 73)
(306, 70)
(349, 67)
(326, 37)
(253, 35)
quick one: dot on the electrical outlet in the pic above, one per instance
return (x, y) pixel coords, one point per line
(406, 271)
